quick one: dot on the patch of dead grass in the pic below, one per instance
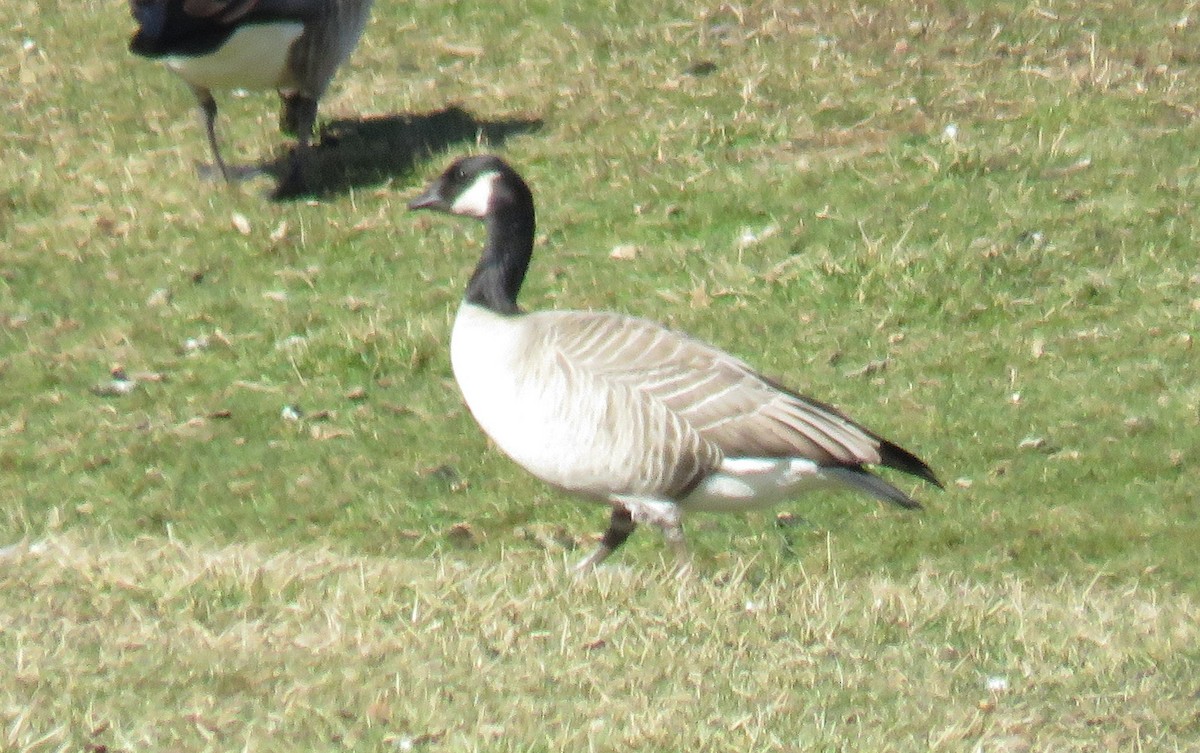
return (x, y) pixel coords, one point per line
(149, 645)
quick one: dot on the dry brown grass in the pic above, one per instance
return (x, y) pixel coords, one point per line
(160, 646)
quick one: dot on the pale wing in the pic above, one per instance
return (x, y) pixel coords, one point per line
(714, 394)
(647, 448)
(333, 29)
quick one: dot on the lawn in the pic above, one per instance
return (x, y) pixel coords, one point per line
(972, 226)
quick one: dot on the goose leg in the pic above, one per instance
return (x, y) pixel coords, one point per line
(298, 117)
(683, 559)
(208, 109)
(620, 525)
(669, 519)
(289, 113)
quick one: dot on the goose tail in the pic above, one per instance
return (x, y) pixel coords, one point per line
(895, 456)
(863, 480)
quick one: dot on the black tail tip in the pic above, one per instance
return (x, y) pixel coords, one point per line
(857, 477)
(894, 456)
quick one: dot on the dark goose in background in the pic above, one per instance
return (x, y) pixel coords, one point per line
(293, 46)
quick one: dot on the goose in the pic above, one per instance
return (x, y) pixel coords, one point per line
(293, 46)
(625, 411)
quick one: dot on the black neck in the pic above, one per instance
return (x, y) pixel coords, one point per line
(501, 270)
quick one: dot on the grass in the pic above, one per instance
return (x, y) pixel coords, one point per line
(235, 648)
(994, 200)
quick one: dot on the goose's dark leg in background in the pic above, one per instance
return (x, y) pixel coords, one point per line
(208, 110)
(297, 117)
(292, 105)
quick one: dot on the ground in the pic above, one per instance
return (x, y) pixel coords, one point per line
(971, 227)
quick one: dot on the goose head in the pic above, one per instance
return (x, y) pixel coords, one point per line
(479, 186)
(486, 188)
(199, 26)
(153, 17)
(189, 26)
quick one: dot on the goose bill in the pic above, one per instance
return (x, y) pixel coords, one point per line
(430, 199)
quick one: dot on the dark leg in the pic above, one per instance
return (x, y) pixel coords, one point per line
(289, 114)
(669, 519)
(208, 108)
(620, 525)
(298, 116)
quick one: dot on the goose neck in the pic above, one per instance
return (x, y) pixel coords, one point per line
(501, 270)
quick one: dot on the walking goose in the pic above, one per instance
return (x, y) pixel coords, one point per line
(293, 46)
(622, 410)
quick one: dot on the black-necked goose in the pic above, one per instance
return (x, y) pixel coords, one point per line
(623, 410)
(293, 46)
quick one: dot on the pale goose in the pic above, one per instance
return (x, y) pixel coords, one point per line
(293, 46)
(622, 410)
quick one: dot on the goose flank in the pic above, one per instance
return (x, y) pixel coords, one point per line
(624, 411)
(292, 46)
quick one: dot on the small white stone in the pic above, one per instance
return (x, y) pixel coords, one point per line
(160, 297)
(122, 386)
(624, 252)
(749, 237)
(240, 223)
(292, 342)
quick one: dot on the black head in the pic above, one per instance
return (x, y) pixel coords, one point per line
(486, 188)
(190, 27)
(478, 186)
(153, 18)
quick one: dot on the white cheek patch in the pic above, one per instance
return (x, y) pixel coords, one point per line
(474, 201)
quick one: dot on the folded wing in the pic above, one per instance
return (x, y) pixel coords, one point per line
(719, 397)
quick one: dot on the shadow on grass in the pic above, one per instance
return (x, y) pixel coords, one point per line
(355, 153)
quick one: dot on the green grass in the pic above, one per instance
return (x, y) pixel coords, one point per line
(1032, 283)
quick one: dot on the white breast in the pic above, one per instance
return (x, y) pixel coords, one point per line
(485, 354)
(254, 57)
(519, 398)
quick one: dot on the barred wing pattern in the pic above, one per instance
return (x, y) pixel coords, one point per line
(683, 396)
(324, 46)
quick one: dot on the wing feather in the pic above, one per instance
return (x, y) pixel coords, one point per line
(715, 396)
